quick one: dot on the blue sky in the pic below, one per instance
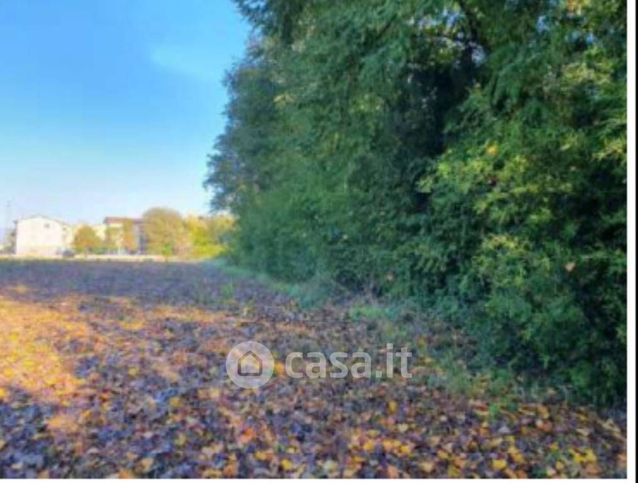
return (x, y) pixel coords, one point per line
(109, 107)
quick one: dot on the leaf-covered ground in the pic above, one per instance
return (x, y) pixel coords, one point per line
(117, 369)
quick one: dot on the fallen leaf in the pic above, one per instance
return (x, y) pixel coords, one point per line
(126, 474)
(246, 436)
(392, 471)
(212, 450)
(147, 464)
(331, 467)
(133, 371)
(499, 464)
(180, 439)
(392, 407)
(175, 402)
(231, 468)
(262, 456)
(369, 445)
(427, 466)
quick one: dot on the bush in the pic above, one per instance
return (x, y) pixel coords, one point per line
(164, 232)
(208, 236)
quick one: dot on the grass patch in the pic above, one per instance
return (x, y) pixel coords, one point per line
(308, 295)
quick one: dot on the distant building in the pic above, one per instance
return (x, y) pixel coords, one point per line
(40, 236)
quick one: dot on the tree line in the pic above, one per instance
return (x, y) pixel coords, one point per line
(467, 154)
(162, 231)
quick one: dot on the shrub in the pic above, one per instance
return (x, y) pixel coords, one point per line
(471, 155)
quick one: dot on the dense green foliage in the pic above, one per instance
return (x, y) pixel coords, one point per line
(468, 153)
(207, 235)
(164, 232)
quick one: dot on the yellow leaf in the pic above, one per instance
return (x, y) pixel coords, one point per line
(392, 471)
(516, 455)
(125, 473)
(510, 473)
(280, 368)
(388, 444)
(147, 464)
(495, 442)
(543, 411)
(85, 416)
(453, 472)
(405, 449)
(210, 393)
(583, 431)
(287, 465)
(590, 456)
(427, 466)
(587, 456)
(262, 456)
(133, 371)
(499, 464)
(330, 467)
(369, 446)
(434, 440)
(459, 462)
(175, 402)
(212, 450)
(180, 440)
(211, 473)
(392, 407)
(442, 455)
(231, 468)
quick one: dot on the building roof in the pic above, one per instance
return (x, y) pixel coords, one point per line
(42, 216)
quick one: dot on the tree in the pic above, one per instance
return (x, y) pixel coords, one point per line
(469, 154)
(208, 236)
(112, 239)
(164, 232)
(87, 241)
(130, 240)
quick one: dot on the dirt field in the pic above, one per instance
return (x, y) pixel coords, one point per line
(118, 369)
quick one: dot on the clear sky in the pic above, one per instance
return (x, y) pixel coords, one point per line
(109, 107)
